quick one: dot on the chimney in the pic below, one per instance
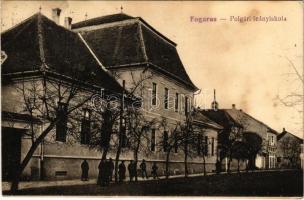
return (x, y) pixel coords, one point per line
(233, 106)
(284, 130)
(56, 15)
(68, 22)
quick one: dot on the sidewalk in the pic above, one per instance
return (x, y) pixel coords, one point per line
(41, 184)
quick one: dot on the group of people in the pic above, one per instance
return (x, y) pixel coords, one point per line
(106, 169)
(105, 174)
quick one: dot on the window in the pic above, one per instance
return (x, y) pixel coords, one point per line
(166, 98)
(182, 103)
(154, 93)
(271, 140)
(176, 102)
(86, 127)
(186, 105)
(61, 126)
(206, 146)
(153, 140)
(212, 146)
(165, 142)
(199, 144)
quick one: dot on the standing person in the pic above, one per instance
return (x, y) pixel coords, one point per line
(143, 168)
(121, 171)
(84, 170)
(111, 166)
(134, 170)
(100, 173)
(131, 170)
(218, 167)
(154, 170)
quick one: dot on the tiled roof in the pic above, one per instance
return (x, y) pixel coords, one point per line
(221, 117)
(281, 135)
(242, 116)
(200, 118)
(134, 43)
(229, 117)
(39, 43)
(116, 45)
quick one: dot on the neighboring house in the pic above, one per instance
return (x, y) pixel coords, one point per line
(40, 52)
(208, 132)
(236, 123)
(290, 150)
(267, 156)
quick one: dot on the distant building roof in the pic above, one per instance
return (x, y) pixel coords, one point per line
(133, 43)
(201, 119)
(38, 43)
(284, 133)
(242, 116)
(235, 117)
(221, 117)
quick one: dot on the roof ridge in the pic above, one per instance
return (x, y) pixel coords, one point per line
(248, 115)
(100, 18)
(231, 118)
(154, 31)
(92, 53)
(260, 122)
(285, 132)
(40, 41)
(142, 43)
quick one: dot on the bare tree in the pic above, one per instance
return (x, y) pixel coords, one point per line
(138, 132)
(136, 91)
(104, 125)
(52, 100)
(295, 98)
(172, 141)
(228, 138)
(188, 141)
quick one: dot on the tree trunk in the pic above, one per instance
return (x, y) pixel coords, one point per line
(186, 160)
(167, 164)
(204, 162)
(116, 161)
(104, 153)
(16, 179)
(238, 169)
(136, 159)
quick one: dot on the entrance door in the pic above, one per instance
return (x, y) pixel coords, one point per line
(11, 151)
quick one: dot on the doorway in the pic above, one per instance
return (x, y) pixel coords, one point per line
(11, 151)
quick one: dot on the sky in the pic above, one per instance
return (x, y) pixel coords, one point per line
(251, 64)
